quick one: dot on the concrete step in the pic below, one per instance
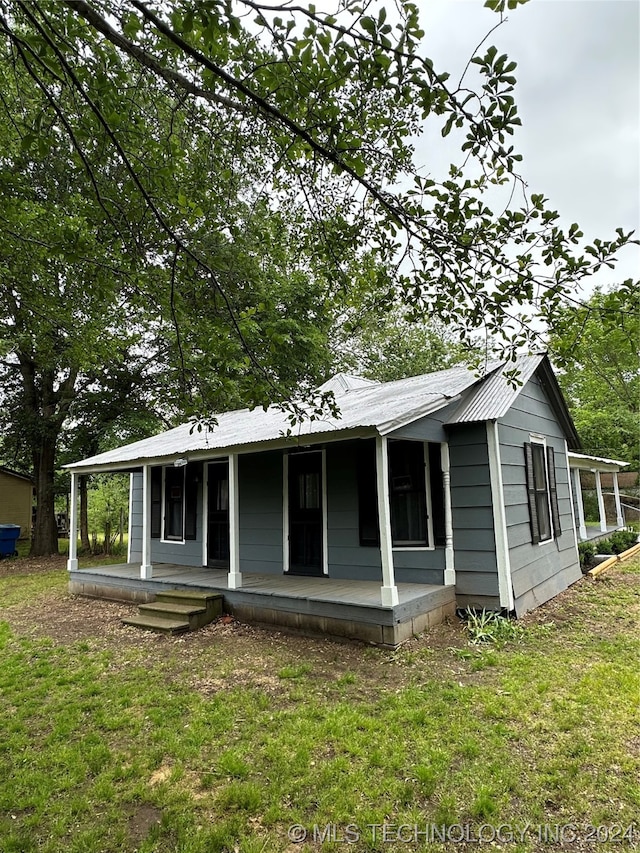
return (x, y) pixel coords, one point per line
(159, 625)
(208, 600)
(176, 611)
(197, 617)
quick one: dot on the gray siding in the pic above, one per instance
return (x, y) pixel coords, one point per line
(429, 428)
(472, 509)
(135, 515)
(347, 558)
(538, 572)
(260, 497)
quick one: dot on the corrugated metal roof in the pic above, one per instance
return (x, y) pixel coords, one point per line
(382, 407)
(493, 398)
(597, 463)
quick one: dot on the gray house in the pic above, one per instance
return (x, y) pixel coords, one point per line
(427, 494)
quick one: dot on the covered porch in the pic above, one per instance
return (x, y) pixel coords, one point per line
(595, 465)
(315, 605)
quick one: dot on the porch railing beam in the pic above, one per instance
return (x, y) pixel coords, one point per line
(146, 569)
(389, 590)
(234, 580)
(72, 562)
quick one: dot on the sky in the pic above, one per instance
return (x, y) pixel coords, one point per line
(578, 95)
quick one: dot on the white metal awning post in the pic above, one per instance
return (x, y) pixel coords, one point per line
(72, 562)
(577, 489)
(616, 495)
(601, 510)
(146, 569)
(389, 590)
(234, 579)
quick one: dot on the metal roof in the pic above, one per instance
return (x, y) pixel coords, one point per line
(493, 398)
(364, 406)
(377, 407)
(594, 463)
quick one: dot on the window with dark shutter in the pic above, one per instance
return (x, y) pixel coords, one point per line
(553, 494)
(156, 502)
(541, 492)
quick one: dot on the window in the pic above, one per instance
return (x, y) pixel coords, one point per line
(407, 493)
(174, 503)
(411, 494)
(175, 518)
(541, 492)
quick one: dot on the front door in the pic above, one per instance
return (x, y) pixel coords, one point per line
(218, 515)
(305, 513)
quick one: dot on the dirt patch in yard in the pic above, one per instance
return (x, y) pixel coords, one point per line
(227, 653)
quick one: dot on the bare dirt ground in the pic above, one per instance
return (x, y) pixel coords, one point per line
(254, 654)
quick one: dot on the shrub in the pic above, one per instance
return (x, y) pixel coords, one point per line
(621, 540)
(586, 551)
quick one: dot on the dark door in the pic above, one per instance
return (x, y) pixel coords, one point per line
(218, 515)
(305, 513)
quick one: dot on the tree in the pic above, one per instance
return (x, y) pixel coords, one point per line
(86, 294)
(596, 347)
(177, 147)
(323, 107)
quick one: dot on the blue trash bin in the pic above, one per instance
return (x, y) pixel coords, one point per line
(9, 535)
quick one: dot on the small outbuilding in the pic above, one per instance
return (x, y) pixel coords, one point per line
(16, 500)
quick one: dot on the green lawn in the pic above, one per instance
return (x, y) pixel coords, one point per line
(112, 740)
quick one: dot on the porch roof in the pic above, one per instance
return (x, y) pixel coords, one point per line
(366, 408)
(594, 463)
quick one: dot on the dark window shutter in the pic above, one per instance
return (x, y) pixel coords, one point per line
(156, 502)
(531, 494)
(553, 495)
(192, 485)
(367, 493)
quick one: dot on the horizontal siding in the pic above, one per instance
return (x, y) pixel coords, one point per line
(428, 428)
(16, 499)
(534, 566)
(477, 583)
(547, 590)
(135, 509)
(260, 498)
(183, 553)
(472, 511)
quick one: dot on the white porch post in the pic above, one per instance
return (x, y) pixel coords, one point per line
(601, 509)
(449, 571)
(72, 562)
(146, 569)
(234, 580)
(389, 590)
(577, 488)
(616, 493)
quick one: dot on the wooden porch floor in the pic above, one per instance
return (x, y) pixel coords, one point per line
(315, 605)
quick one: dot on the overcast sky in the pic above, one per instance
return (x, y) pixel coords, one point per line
(578, 96)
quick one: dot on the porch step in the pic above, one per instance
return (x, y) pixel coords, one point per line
(176, 611)
(160, 625)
